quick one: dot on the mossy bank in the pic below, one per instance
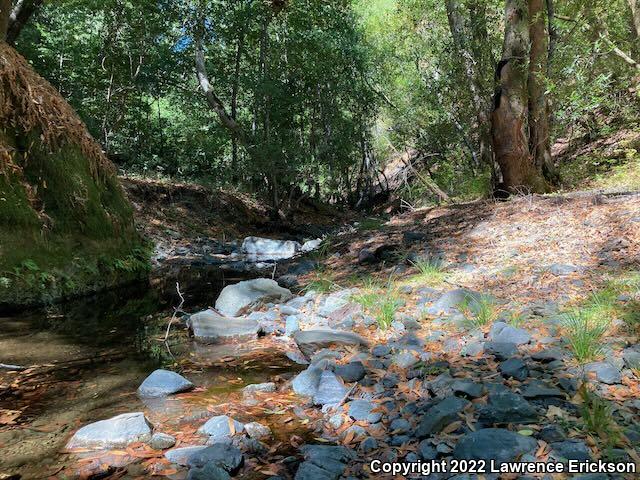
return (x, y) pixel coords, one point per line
(66, 226)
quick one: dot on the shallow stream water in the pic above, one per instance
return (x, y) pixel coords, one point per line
(91, 354)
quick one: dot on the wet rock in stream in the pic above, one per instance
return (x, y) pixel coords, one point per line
(310, 341)
(210, 327)
(162, 383)
(115, 432)
(234, 299)
(221, 428)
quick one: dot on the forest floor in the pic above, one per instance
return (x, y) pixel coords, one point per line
(513, 324)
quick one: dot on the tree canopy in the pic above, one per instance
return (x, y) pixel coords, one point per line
(316, 97)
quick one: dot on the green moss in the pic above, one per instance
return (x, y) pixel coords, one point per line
(64, 230)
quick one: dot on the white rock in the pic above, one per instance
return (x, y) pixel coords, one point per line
(235, 298)
(268, 249)
(115, 432)
(210, 327)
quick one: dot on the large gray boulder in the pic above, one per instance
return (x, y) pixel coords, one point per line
(237, 297)
(162, 383)
(115, 432)
(210, 327)
(495, 444)
(257, 248)
(311, 341)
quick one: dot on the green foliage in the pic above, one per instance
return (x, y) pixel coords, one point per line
(60, 219)
(380, 301)
(479, 312)
(597, 417)
(516, 318)
(430, 271)
(386, 309)
(299, 80)
(369, 224)
(322, 281)
(584, 333)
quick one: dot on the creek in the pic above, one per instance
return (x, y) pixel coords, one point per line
(87, 357)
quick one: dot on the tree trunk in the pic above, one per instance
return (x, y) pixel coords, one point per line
(20, 15)
(553, 33)
(212, 99)
(539, 140)
(471, 68)
(634, 5)
(509, 119)
(5, 12)
(234, 104)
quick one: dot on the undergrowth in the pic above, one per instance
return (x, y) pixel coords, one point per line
(597, 418)
(479, 312)
(584, 333)
(322, 281)
(430, 272)
(380, 301)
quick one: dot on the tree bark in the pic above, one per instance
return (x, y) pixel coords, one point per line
(5, 12)
(20, 15)
(205, 85)
(539, 140)
(481, 125)
(234, 103)
(509, 119)
(553, 33)
(634, 5)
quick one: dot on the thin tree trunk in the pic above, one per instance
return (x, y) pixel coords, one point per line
(539, 141)
(234, 104)
(510, 115)
(5, 12)
(212, 99)
(553, 33)
(634, 5)
(20, 15)
(482, 122)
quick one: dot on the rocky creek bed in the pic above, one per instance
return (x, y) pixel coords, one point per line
(500, 393)
(277, 384)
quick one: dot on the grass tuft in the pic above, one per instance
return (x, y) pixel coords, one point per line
(322, 281)
(382, 302)
(597, 417)
(482, 312)
(584, 334)
(430, 272)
